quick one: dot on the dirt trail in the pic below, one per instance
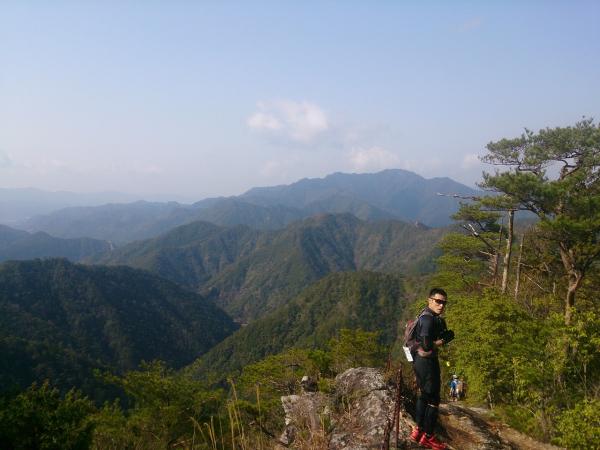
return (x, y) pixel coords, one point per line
(474, 428)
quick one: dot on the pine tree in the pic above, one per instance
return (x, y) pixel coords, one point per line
(555, 174)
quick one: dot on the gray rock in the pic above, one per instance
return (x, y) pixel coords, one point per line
(308, 384)
(359, 380)
(307, 413)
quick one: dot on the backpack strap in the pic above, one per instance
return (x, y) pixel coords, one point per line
(424, 312)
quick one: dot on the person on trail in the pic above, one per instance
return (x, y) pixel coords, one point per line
(454, 383)
(431, 333)
(462, 388)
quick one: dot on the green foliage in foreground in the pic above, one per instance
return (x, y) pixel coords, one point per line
(532, 357)
(579, 427)
(39, 418)
(517, 364)
(169, 409)
(355, 348)
(280, 374)
(166, 409)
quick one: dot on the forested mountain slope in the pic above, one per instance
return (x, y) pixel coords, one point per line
(367, 300)
(59, 320)
(190, 254)
(250, 272)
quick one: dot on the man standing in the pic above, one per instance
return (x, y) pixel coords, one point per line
(432, 333)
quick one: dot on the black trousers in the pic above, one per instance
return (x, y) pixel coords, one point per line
(427, 371)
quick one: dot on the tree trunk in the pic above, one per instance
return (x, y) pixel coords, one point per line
(518, 276)
(496, 261)
(508, 252)
(570, 301)
(575, 277)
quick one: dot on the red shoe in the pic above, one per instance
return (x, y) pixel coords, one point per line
(415, 435)
(432, 442)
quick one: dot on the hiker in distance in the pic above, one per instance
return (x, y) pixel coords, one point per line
(430, 333)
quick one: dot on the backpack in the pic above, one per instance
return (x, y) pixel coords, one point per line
(410, 332)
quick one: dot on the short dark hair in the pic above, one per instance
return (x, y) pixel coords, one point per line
(437, 291)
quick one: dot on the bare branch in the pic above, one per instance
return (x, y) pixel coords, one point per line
(534, 282)
(469, 227)
(463, 197)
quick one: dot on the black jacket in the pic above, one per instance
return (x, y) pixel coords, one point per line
(431, 327)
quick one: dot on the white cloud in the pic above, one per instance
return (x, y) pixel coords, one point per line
(470, 161)
(299, 121)
(373, 159)
(260, 120)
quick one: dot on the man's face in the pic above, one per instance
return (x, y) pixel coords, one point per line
(437, 303)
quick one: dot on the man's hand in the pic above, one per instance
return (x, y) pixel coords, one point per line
(439, 342)
(447, 336)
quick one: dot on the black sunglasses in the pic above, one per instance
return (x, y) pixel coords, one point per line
(438, 301)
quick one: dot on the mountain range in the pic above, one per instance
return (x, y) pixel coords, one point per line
(391, 194)
(293, 264)
(251, 272)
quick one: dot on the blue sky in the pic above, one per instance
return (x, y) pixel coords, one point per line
(197, 99)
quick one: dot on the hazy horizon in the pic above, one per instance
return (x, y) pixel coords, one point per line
(161, 197)
(187, 100)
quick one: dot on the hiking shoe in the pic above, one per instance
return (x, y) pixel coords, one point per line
(415, 434)
(432, 442)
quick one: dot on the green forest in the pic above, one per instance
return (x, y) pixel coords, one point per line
(521, 267)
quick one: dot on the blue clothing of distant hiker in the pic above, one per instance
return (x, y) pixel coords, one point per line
(454, 388)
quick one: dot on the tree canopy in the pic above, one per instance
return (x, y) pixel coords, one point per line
(555, 174)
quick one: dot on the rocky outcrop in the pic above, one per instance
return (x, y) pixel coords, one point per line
(305, 416)
(364, 405)
(358, 415)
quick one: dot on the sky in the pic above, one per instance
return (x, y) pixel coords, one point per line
(194, 99)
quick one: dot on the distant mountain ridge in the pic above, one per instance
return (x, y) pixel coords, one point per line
(119, 222)
(250, 272)
(391, 194)
(20, 245)
(398, 193)
(19, 204)
(122, 223)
